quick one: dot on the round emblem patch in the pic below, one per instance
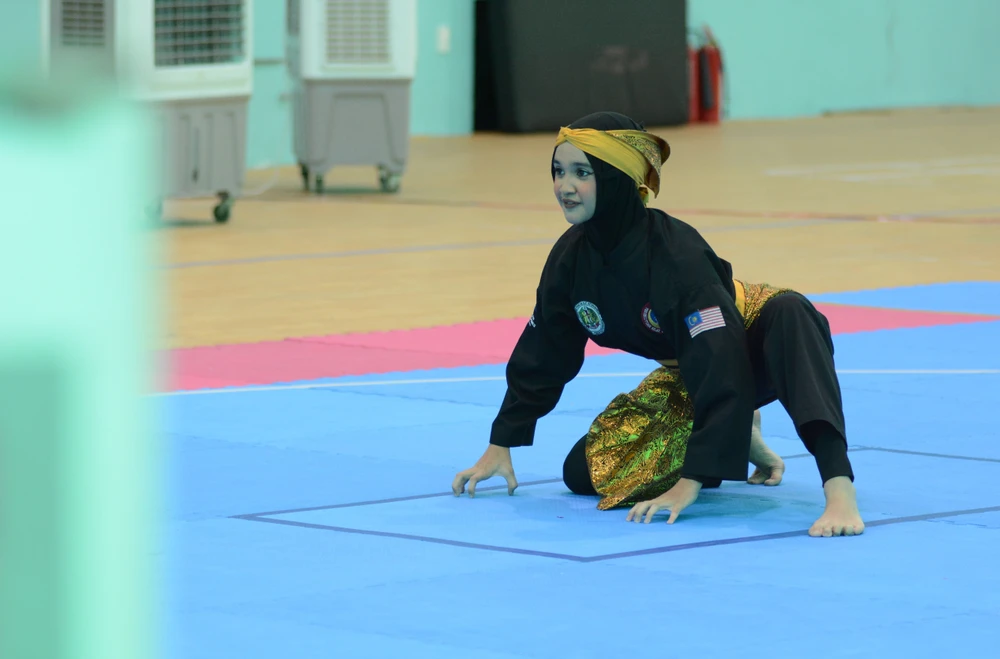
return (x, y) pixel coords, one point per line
(650, 321)
(590, 317)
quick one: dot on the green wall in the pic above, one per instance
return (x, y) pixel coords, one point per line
(784, 58)
(789, 58)
(20, 35)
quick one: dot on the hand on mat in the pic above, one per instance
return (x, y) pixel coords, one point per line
(676, 499)
(495, 462)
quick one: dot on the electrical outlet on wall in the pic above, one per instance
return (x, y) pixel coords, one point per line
(444, 39)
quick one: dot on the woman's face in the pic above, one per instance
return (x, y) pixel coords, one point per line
(574, 183)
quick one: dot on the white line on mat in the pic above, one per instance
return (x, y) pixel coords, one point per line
(500, 378)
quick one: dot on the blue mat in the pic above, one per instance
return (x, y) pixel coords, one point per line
(981, 297)
(545, 520)
(543, 573)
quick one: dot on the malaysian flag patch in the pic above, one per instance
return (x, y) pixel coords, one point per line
(704, 320)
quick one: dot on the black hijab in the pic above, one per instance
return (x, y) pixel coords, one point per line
(619, 207)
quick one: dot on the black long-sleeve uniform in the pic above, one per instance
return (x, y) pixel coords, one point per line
(663, 293)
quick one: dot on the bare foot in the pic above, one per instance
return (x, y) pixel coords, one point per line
(769, 466)
(841, 516)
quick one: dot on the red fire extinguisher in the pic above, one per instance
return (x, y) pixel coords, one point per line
(694, 85)
(710, 77)
(705, 80)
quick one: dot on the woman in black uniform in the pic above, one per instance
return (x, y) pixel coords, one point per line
(639, 280)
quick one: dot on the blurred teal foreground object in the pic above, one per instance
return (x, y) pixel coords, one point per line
(79, 487)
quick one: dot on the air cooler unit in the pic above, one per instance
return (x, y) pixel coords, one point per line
(352, 64)
(190, 61)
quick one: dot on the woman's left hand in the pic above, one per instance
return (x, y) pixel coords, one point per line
(676, 499)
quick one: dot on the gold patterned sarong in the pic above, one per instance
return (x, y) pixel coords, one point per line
(636, 446)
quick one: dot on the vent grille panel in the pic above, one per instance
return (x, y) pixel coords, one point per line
(357, 32)
(82, 24)
(198, 32)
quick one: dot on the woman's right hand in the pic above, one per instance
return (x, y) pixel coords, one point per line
(495, 462)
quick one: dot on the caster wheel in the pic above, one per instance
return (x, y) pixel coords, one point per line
(389, 181)
(305, 177)
(223, 209)
(221, 213)
(319, 185)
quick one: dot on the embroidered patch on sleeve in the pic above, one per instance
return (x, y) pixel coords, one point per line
(704, 320)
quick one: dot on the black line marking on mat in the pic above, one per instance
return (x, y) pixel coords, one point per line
(419, 538)
(433, 495)
(268, 519)
(850, 449)
(413, 497)
(930, 455)
(787, 534)
(932, 516)
(607, 557)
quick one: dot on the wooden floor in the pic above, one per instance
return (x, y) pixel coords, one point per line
(827, 204)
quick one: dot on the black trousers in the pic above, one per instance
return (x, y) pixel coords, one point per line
(791, 351)
(576, 473)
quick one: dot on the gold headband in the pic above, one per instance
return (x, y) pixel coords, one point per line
(636, 153)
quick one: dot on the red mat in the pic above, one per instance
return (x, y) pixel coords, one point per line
(470, 344)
